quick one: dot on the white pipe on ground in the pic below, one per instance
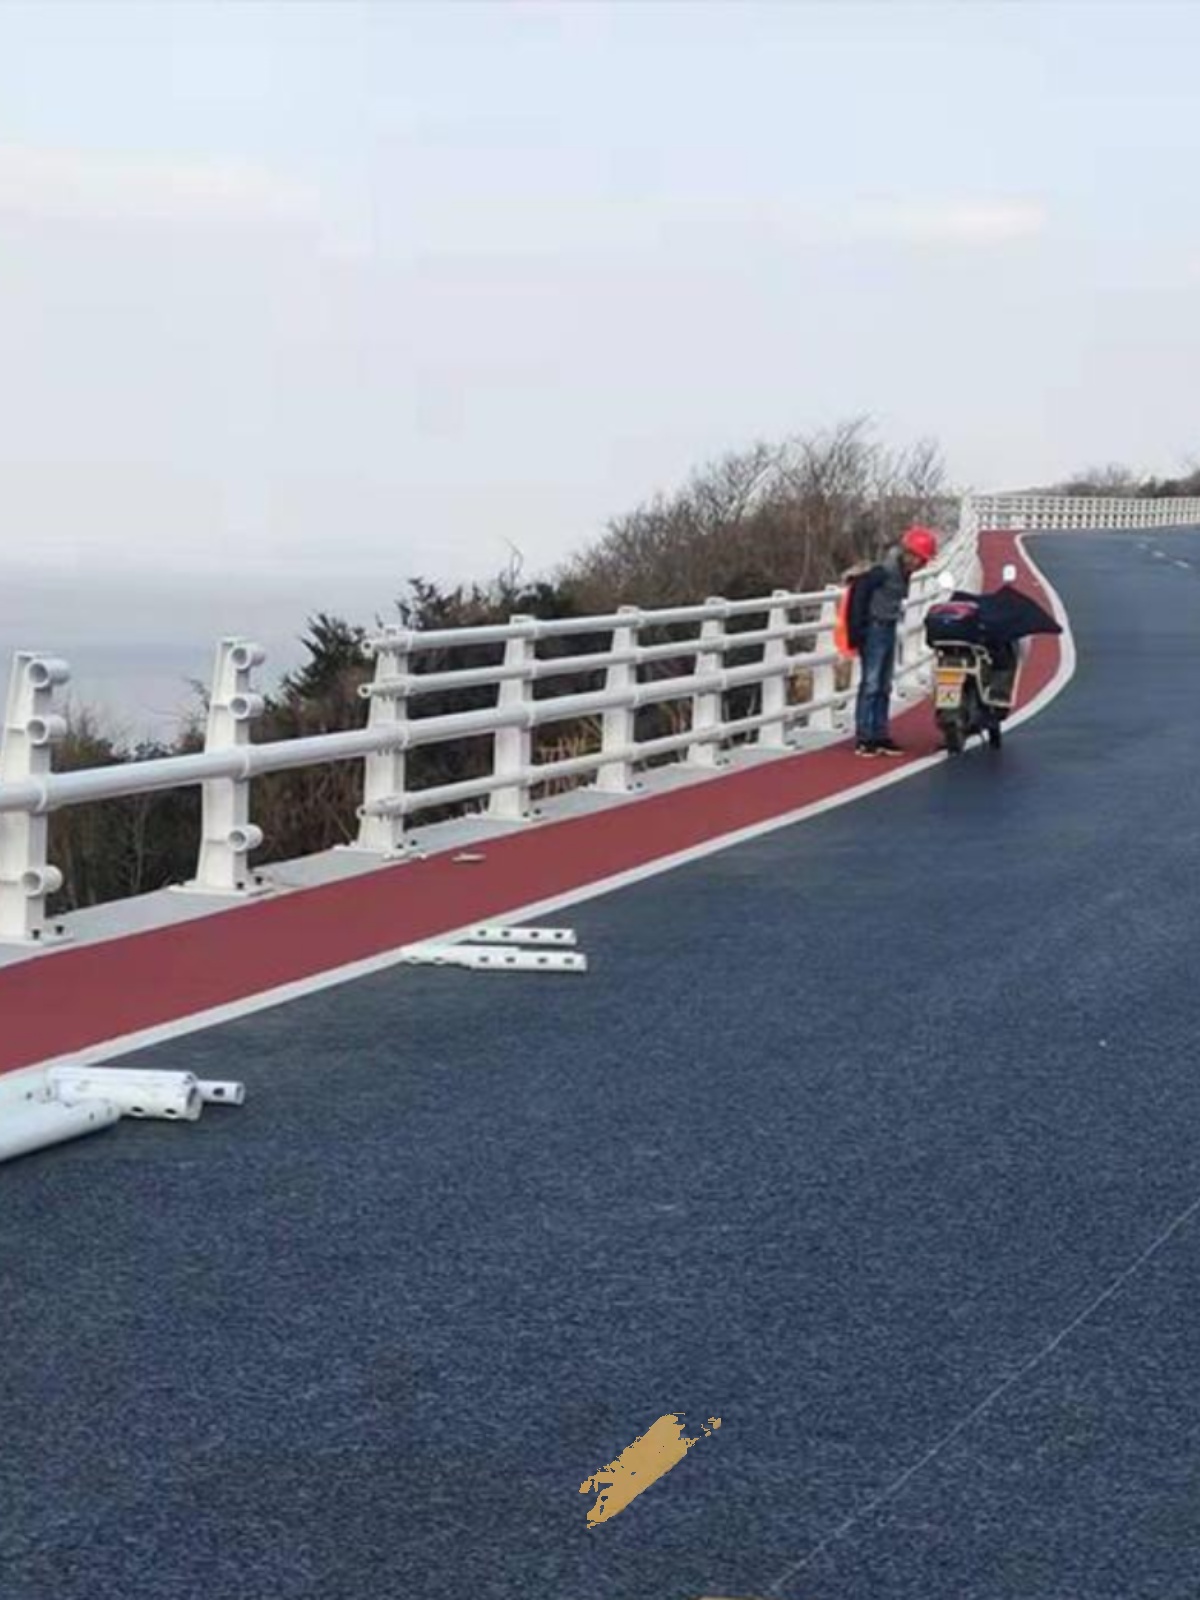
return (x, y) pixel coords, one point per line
(20, 1087)
(172, 1096)
(221, 1092)
(38, 1123)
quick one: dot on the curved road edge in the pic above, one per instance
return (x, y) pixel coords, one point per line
(1067, 655)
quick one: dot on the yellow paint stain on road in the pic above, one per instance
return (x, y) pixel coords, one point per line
(648, 1458)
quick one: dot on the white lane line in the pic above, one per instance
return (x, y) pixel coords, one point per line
(1113, 1287)
(1068, 658)
(264, 999)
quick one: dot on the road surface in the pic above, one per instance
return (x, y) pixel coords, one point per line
(877, 1137)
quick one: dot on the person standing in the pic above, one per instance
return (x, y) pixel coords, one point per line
(876, 607)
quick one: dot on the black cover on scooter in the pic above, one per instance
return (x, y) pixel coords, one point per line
(1001, 617)
(955, 621)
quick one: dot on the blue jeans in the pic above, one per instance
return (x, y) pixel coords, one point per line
(878, 661)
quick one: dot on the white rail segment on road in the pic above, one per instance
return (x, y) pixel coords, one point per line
(797, 688)
(45, 1106)
(493, 958)
(169, 1096)
(510, 947)
(34, 1124)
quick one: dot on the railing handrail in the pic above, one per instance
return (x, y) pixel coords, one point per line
(230, 761)
(125, 779)
(413, 684)
(414, 640)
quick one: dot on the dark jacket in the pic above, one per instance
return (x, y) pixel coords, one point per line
(878, 596)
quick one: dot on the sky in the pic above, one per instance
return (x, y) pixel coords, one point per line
(300, 300)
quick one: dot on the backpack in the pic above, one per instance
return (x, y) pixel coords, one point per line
(845, 611)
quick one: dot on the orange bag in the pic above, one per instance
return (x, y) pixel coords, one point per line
(841, 620)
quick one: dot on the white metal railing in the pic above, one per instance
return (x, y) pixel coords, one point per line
(1062, 511)
(229, 762)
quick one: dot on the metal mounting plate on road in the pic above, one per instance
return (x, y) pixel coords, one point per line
(484, 958)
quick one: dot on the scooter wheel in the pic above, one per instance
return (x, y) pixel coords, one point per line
(952, 734)
(995, 738)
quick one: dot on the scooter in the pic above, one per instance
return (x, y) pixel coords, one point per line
(978, 642)
(974, 691)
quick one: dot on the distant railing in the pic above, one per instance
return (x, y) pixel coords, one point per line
(792, 641)
(1049, 511)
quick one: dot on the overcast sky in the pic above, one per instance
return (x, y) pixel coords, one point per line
(299, 299)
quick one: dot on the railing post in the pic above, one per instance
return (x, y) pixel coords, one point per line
(384, 769)
(706, 708)
(227, 836)
(512, 746)
(31, 727)
(618, 726)
(773, 735)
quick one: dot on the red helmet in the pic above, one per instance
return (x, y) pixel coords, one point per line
(922, 543)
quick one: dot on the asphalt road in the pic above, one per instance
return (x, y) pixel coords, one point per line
(876, 1137)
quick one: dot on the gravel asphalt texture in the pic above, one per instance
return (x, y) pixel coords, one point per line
(843, 1139)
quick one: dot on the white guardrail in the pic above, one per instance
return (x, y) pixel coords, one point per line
(1050, 511)
(793, 644)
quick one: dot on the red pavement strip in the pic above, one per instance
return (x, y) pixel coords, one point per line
(71, 999)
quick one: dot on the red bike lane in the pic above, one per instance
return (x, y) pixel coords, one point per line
(74, 999)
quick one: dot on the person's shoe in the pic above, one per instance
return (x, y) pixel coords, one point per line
(885, 747)
(865, 748)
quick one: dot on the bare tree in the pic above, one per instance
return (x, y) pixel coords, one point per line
(793, 515)
(1113, 479)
